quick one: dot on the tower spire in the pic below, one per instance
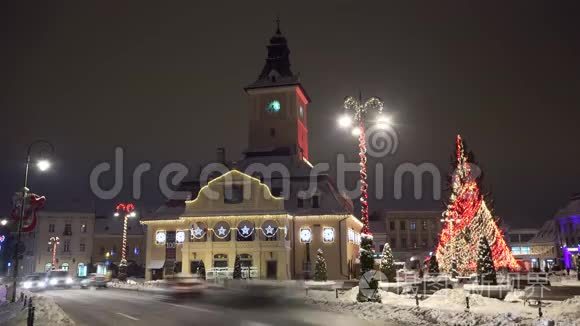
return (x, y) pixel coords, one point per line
(278, 24)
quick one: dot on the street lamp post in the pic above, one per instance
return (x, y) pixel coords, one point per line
(356, 113)
(42, 165)
(128, 210)
(54, 241)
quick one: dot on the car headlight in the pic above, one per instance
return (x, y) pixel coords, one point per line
(69, 280)
(41, 284)
(27, 285)
(53, 281)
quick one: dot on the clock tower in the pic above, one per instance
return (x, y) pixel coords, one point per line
(278, 105)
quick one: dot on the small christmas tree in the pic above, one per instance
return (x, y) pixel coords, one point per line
(433, 264)
(201, 270)
(367, 261)
(388, 263)
(485, 268)
(320, 267)
(237, 268)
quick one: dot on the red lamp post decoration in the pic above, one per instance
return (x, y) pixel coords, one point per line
(128, 210)
(54, 241)
(357, 111)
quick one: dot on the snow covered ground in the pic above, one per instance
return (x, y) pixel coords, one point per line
(46, 313)
(447, 307)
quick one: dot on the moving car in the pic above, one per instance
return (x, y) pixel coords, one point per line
(183, 286)
(59, 278)
(34, 282)
(94, 280)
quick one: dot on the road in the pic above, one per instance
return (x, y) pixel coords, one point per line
(120, 307)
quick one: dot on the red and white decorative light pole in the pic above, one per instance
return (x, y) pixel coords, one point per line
(54, 241)
(356, 112)
(128, 210)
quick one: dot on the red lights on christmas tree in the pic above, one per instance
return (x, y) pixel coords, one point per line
(467, 219)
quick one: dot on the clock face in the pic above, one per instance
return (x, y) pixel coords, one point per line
(274, 107)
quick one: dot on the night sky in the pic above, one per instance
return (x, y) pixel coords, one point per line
(166, 81)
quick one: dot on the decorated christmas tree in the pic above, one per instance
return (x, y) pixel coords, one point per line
(485, 268)
(237, 268)
(388, 263)
(466, 220)
(320, 267)
(433, 265)
(367, 260)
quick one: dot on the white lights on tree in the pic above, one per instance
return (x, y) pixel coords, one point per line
(328, 234)
(305, 235)
(160, 237)
(180, 236)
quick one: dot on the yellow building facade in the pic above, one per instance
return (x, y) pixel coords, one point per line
(235, 215)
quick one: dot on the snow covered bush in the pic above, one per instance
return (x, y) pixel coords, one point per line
(388, 263)
(320, 273)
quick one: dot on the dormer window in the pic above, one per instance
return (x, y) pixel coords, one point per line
(233, 194)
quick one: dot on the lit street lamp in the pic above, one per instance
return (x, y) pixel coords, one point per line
(128, 210)
(355, 117)
(42, 164)
(54, 241)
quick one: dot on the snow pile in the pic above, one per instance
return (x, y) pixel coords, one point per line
(515, 296)
(46, 313)
(409, 315)
(568, 311)
(136, 286)
(445, 307)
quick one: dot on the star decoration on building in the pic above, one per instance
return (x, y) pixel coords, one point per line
(221, 231)
(245, 230)
(269, 229)
(198, 232)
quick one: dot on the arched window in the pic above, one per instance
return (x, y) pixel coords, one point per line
(221, 231)
(245, 231)
(82, 270)
(270, 230)
(220, 260)
(198, 232)
(246, 260)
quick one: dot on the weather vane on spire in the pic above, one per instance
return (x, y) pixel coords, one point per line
(278, 24)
